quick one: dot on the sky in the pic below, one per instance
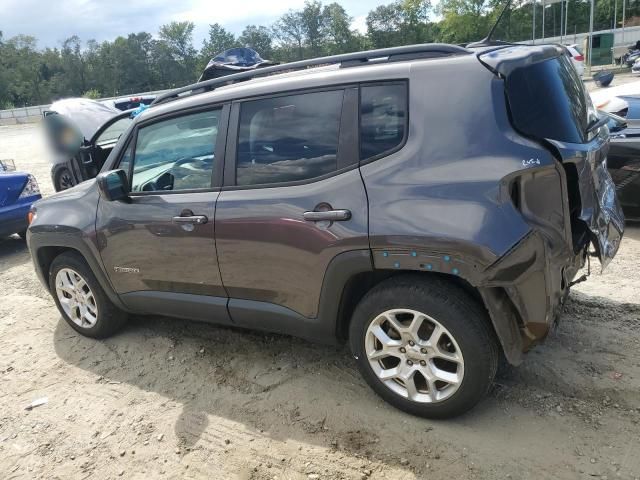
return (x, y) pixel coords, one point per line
(52, 21)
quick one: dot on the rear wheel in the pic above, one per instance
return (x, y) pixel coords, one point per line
(424, 345)
(80, 299)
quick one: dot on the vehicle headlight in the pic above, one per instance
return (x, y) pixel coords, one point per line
(31, 188)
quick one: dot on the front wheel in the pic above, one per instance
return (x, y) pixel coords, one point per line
(80, 299)
(63, 180)
(424, 345)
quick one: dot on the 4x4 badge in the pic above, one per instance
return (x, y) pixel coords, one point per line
(126, 270)
(531, 161)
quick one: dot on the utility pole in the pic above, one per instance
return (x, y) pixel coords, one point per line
(566, 18)
(544, 7)
(624, 4)
(561, 20)
(533, 37)
(590, 39)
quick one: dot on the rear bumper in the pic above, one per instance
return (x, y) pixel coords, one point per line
(526, 290)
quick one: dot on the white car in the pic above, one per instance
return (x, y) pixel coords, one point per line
(577, 58)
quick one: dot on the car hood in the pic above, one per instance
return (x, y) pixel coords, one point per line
(11, 185)
(85, 114)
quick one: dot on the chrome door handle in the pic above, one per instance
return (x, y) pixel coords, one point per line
(194, 219)
(327, 216)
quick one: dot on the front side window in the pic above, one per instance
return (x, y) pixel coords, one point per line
(289, 138)
(383, 116)
(176, 154)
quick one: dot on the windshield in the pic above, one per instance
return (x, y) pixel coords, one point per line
(113, 131)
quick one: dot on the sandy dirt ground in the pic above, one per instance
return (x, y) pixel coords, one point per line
(176, 399)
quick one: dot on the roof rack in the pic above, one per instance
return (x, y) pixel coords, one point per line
(395, 54)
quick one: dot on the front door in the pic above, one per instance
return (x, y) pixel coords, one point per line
(159, 248)
(293, 201)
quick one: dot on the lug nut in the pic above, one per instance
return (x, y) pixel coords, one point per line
(423, 363)
(409, 362)
(411, 343)
(423, 350)
(403, 350)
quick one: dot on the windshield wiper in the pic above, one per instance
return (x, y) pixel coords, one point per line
(596, 124)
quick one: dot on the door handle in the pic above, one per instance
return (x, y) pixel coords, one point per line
(327, 216)
(193, 219)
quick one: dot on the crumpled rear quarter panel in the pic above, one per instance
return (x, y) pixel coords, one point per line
(442, 203)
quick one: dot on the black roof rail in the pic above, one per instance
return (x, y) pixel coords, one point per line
(394, 54)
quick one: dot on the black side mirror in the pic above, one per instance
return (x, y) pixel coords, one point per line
(113, 185)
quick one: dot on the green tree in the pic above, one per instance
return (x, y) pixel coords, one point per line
(339, 35)
(218, 41)
(175, 50)
(291, 33)
(314, 26)
(258, 38)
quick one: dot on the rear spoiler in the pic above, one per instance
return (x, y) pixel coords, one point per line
(504, 60)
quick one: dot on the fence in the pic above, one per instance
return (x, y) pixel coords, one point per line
(22, 115)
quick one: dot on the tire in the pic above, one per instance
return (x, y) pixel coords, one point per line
(22, 234)
(466, 354)
(63, 180)
(101, 318)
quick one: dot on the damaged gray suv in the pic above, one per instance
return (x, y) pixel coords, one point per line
(430, 205)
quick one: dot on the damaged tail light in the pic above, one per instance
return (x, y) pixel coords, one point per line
(31, 188)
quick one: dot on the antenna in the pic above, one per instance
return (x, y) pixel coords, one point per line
(486, 41)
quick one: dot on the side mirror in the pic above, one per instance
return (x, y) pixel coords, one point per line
(113, 185)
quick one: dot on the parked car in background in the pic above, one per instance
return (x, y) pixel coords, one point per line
(623, 162)
(622, 100)
(81, 133)
(577, 58)
(129, 103)
(316, 202)
(18, 191)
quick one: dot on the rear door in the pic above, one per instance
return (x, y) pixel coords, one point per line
(159, 247)
(293, 200)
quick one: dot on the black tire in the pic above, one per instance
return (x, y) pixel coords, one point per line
(109, 318)
(455, 310)
(63, 180)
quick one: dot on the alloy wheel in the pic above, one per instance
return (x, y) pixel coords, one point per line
(414, 355)
(76, 298)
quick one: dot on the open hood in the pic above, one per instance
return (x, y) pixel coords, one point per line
(86, 115)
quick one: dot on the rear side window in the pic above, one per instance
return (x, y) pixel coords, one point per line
(548, 100)
(286, 139)
(383, 119)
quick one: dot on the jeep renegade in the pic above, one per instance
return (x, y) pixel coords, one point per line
(430, 205)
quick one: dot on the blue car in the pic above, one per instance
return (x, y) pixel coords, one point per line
(18, 191)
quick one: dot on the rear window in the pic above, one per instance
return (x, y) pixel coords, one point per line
(548, 100)
(288, 139)
(383, 117)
